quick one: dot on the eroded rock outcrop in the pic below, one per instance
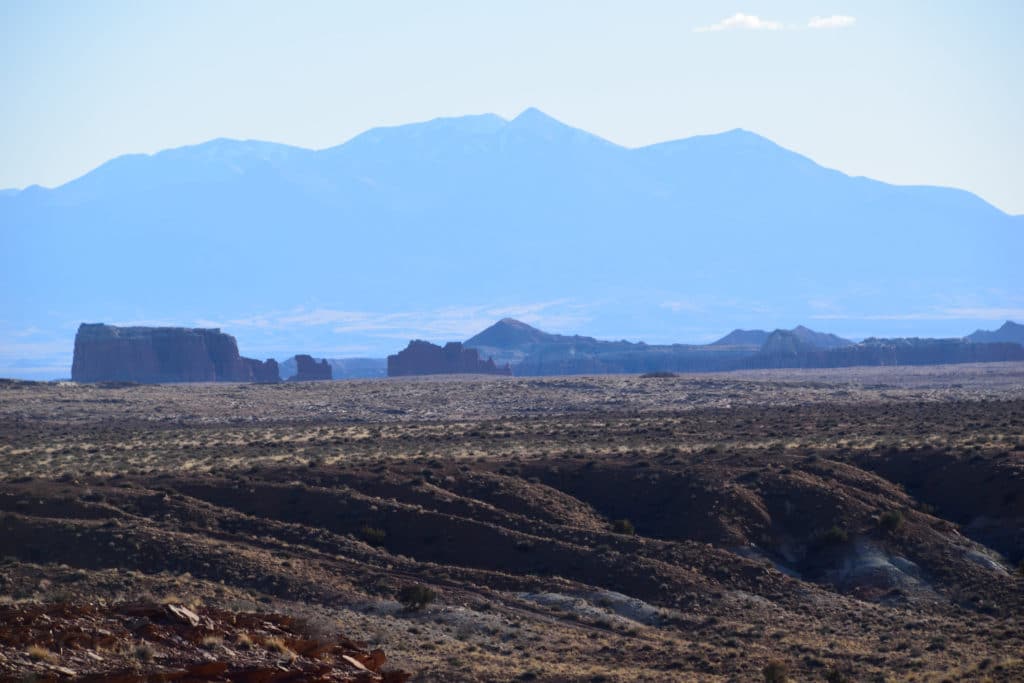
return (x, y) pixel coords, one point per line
(424, 358)
(784, 350)
(307, 369)
(263, 372)
(106, 353)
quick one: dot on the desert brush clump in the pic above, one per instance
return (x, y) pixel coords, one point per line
(624, 526)
(373, 535)
(776, 671)
(279, 646)
(834, 675)
(890, 521)
(41, 654)
(211, 642)
(416, 597)
(144, 652)
(836, 535)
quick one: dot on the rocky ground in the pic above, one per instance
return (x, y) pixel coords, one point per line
(857, 525)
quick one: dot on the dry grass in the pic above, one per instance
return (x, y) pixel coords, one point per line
(41, 654)
(243, 641)
(279, 646)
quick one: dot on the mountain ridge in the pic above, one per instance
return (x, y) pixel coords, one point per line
(488, 123)
(614, 232)
(1010, 331)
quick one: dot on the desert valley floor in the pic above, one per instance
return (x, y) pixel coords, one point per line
(849, 525)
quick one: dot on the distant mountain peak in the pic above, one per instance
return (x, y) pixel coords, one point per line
(508, 333)
(534, 116)
(1009, 331)
(532, 123)
(512, 322)
(821, 340)
(740, 337)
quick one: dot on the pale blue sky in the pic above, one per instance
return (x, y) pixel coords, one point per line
(911, 92)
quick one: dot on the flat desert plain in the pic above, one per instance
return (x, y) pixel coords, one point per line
(842, 525)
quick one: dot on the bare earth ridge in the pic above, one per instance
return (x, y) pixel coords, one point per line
(859, 524)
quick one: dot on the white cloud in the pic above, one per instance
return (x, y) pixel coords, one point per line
(752, 22)
(740, 20)
(834, 21)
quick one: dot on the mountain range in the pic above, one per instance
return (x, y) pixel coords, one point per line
(458, 218)
(532, 352)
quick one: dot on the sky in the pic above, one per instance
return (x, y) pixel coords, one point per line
(909, 92)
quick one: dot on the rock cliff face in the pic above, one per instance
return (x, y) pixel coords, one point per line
(424, 358)
(263, 372)
(307, 369)
(343, 368)
(783, 350)
(105, 353)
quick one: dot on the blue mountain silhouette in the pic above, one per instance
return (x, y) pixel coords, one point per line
(478, 210)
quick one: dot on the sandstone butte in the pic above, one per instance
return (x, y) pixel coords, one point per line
(423, 358)
(106, 353)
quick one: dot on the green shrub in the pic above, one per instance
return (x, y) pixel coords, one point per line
(623, 526)
(415, 598)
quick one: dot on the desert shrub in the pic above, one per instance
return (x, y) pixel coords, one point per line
(834, 675)
(211, 642)
(41, 654)
(926, 508)
(373, 535)
(279, 646)
(623, 526)
(890, 520)
(415, 598)
(776, 671)
(834, 536)
(144, 652)
(659, 374)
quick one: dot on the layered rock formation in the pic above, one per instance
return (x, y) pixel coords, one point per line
(783, 349)
(343, 368)
(308, 370)
(105, 353)
(263, 372)
(424, 358)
